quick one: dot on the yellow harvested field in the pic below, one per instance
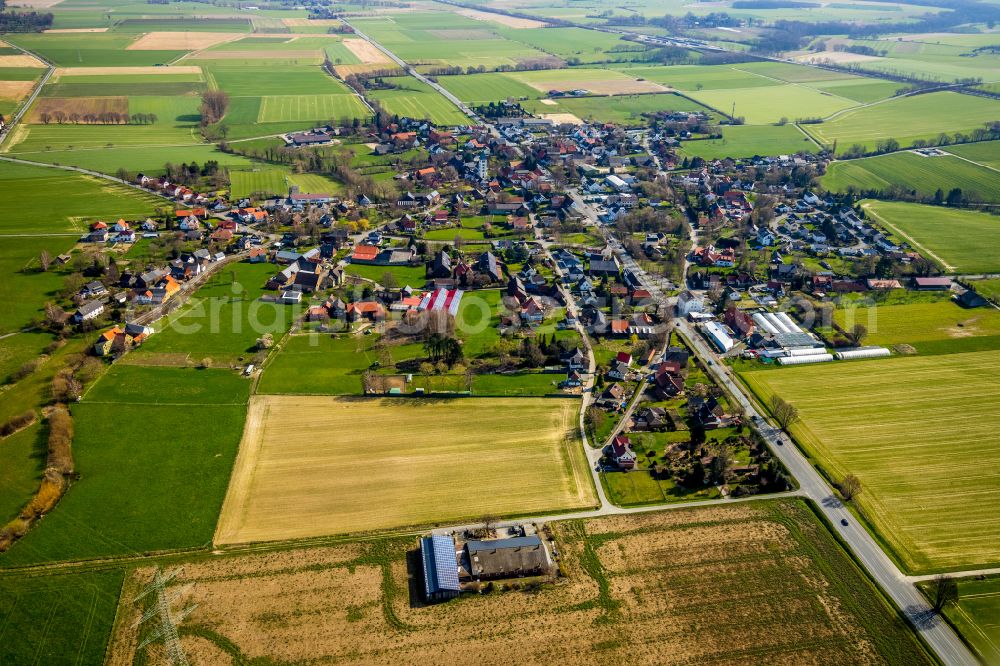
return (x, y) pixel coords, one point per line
(759, 583)
(15, 90)
(502, 19)
(343, 71)
(181, 41)
(366, 52)
(315, 466)
(73, 30)
(20, 61)
(562, 118)
(78, 105)
(115, 71)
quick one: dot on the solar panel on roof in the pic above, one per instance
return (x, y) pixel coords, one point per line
(440, 565)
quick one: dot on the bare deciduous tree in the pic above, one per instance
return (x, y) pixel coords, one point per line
(784, 412)
(850, 487)
(944, 591)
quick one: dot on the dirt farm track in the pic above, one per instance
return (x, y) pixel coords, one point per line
(314, 466)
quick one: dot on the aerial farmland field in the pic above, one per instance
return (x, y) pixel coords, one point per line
(624, 109)
(977, 615)
(152, 470)
(907, 119)
(417, 470)
(749, 140)
(960, 240)
(923, 449)
(915, 323)
(415, 99)
(772, 103)
(65, 618)
(912, 171)
(632, 588)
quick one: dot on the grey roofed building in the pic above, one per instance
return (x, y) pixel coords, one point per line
(603, 267)
(506, 558)
(440, 562)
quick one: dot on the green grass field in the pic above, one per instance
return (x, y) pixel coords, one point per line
(137, 158)
(977, 616)
(63, 618)
(907, 119)
(622, 109)
(259, 80)
(577, 44)
(405, 275)
(222, 321)
(692, 78)
(912, 171)
(22, 462)
(152, 475)
(286, 108)
(983, 152)
(91, 49)
(918, 433)
(258, 181)
(489, 87)
(750, 140)
(915, 323)
(772, 103)
(415, 99)
(961, 240)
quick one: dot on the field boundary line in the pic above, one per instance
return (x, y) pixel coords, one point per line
(948, 267)
(978, 164)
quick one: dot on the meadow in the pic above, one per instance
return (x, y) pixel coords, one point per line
(907, 119)
(417, 471)
(91, 49)
(923, 450)
(632, 589)
(257, 181)
(137, 158)
(25, 193)
(415, 99)
(310, 108)
(415, 276)
(770, 104)
(221, 322)
(961, 241)
(749, 140)
(489, 87)
(916, 173)
(154, 456)
(597, 81)
(577, 44)
(915, 323)
(320, 364)
(983, 152)
(64, 618)
(977, 616)
(622, 109)
(22, 462)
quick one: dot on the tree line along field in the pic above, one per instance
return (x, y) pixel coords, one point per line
(154, 448)
(634, 588)
(962, 241)
(914, 172)
(917, 431)
(298, 473)
(906, 119)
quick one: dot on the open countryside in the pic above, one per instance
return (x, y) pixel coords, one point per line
(931, 502)
(391, 332)
(416, 473)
